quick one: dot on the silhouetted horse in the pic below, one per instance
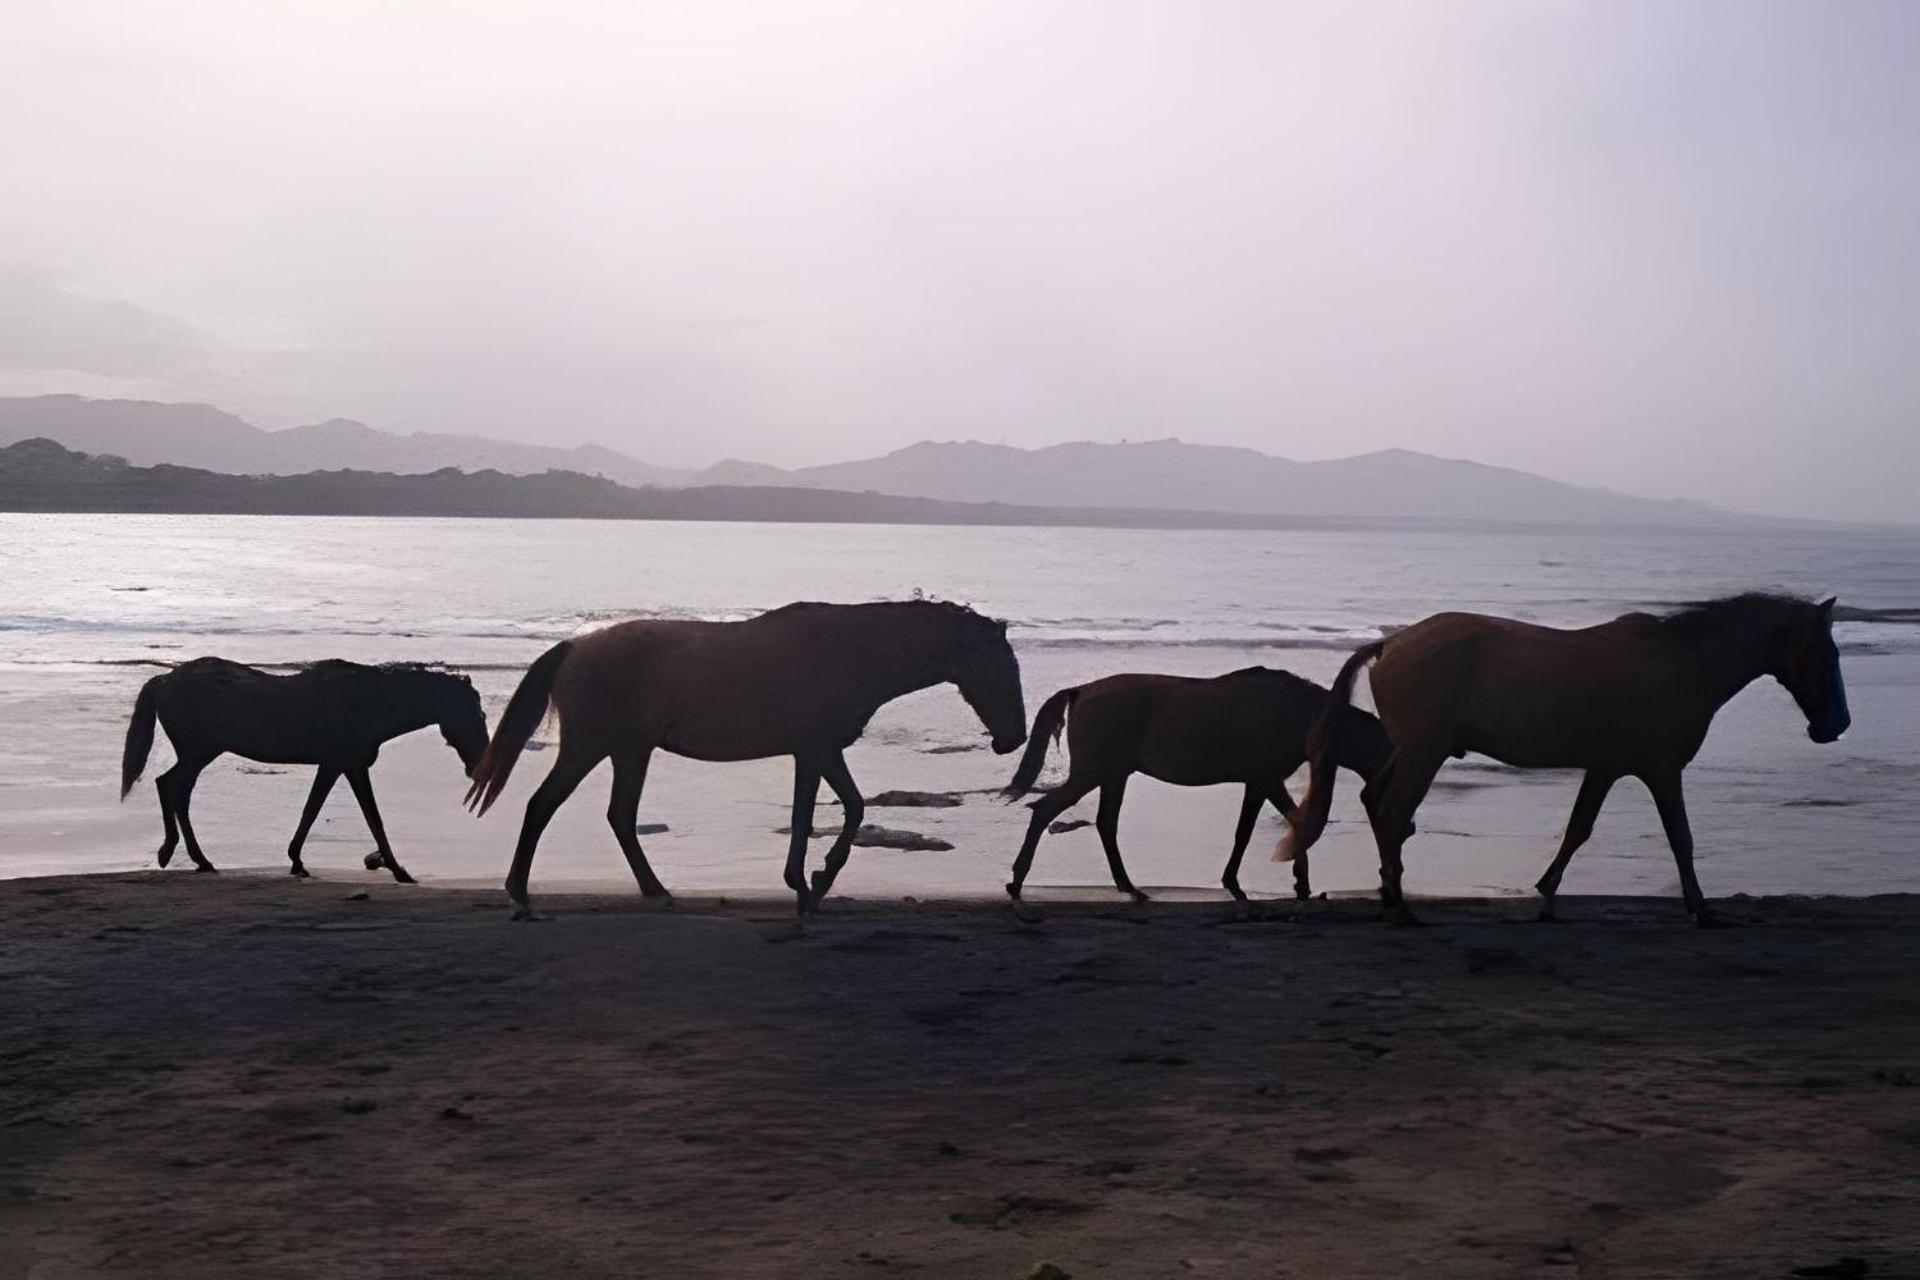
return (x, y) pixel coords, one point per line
(1248, 727)
(1628, 698)
(802, 680)
(332, 714)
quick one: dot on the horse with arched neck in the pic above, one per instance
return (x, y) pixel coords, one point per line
(1631, 698)
(800, 681)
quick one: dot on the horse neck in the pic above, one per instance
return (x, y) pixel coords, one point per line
(1729, 657)
(926, 656)
(409, 704)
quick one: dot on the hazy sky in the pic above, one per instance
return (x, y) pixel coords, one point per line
(1669, 247)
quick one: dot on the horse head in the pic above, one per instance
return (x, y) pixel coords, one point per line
(988, 676)
(463, 723)
(1809, 667)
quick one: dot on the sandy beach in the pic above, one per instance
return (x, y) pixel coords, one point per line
(245, 1075)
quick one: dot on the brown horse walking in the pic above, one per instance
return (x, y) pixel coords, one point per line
(332, 714)
(802, 680)
(1249, 727)
(1631, 698)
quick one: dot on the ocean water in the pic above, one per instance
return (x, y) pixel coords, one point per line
(91, 606)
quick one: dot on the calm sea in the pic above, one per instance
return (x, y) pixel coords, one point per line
(90, 604)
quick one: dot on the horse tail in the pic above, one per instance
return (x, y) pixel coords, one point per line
(1305, 823)
(1047, 723)
(133, 759)
(525, 710)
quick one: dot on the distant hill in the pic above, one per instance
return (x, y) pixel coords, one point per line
(196, 435)
(41, 475)
(1173, 475)
(1162, 475)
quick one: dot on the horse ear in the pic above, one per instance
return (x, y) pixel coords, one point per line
(1826, 608)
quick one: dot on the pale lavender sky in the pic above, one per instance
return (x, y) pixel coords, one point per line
(1667, 246)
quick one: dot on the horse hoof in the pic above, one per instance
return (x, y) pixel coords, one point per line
(1013, 890)
(1234, 890)
(164, 856)
(207, 867)
(527, 915)
(297, 870)
(401, 877)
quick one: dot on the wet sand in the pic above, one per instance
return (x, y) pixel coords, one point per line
(251, 1076)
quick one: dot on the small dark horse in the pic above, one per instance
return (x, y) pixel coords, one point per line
(799, 681)
(332, 714)
(1248, 727)
(1631, 698)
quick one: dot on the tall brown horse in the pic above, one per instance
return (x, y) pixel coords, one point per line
(1248, 727)
(1631, 698)
(332, 714)
(802, 680)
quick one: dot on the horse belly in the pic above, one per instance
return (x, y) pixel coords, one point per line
(1190, 761)
(1549, 725)
(239, 722)
(731, 750)
(755, 734)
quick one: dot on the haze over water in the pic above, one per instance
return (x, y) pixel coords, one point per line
(92, 601)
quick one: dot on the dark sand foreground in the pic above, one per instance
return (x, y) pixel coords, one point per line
(244, 1076)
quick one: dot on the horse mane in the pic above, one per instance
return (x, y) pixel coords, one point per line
(1711, 615)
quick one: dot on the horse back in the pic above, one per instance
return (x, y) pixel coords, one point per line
(1193, 731)
(212, 705)
(1535, 696)
(720, 690)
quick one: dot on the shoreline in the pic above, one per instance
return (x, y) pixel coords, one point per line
(245, 1074)
(615, 891)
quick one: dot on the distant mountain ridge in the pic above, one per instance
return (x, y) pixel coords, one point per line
(1174, 475)
(147, 433)
(1166, 475)
(40, 475)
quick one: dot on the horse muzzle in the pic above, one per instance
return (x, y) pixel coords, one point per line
(1008, 745)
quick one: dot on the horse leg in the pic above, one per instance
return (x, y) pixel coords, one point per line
(1671, 803)
(322, 784)
(1586, 807)
(1107, 823)
(1048, 807)
(623, 813)
(1242, 832)
(362, 785)
(185, 774)
(163, 787)
(806, 789)
(1407, 776)
(853, 807)
(552, 792)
